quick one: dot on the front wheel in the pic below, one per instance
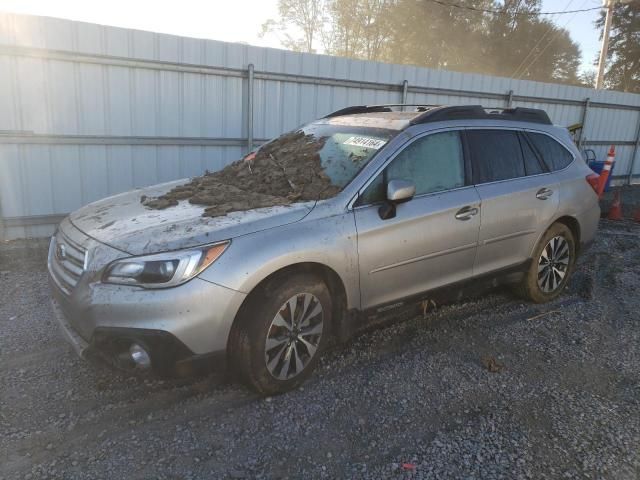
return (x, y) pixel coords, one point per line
(279, 337)
(551, 267)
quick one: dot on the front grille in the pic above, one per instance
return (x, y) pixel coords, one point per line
(67, 260)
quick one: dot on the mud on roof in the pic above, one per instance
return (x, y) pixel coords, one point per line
(263, 179)
(389, 120)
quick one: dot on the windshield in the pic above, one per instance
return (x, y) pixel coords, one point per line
(342, 150)
(314, 162)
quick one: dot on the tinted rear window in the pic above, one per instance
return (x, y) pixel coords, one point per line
(555, 156)
(496, 155)
(533, 164)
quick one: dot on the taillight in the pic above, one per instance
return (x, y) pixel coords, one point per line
(593, 179)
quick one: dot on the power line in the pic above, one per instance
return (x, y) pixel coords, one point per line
(560, 30)
(502, 12)
(531, 52)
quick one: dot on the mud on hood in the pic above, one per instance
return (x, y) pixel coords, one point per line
(124, 223)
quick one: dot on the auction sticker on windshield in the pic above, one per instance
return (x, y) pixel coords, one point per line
(366, 142)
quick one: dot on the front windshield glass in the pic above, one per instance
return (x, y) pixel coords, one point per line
(344, 150)
(314, 162)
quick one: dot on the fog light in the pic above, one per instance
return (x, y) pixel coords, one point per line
(139, 356)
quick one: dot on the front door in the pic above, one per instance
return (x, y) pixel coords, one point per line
(432, 239)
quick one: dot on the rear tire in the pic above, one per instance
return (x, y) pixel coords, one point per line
(279, 336)
(552, 265)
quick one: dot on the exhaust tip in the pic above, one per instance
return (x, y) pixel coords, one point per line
(139, 356)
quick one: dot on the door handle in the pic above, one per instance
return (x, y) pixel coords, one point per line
(544, 193)
(465, 213)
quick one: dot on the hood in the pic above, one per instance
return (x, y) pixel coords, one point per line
(124, 223)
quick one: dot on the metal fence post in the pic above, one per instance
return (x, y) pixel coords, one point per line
(250, 108)
(405, 91)
(2, 232)
(636, 147)
(585, 112)
(509, 98)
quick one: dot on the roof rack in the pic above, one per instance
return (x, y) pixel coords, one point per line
(478, 112)
(439, 113)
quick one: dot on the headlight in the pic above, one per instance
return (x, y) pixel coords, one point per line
(163, 270)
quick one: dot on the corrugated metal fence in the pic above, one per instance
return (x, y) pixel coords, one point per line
(87, 111)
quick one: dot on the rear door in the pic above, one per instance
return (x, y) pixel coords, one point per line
(518, 194)
(432, 239)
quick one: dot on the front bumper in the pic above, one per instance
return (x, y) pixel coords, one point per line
(190, 320)
(79, 344)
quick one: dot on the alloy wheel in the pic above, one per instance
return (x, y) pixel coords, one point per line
(553, 264)
(294, 336)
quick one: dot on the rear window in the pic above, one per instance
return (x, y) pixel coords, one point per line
(533, 164)
(554, 155)
(496, 155)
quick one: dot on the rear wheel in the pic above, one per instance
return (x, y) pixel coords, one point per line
(279, 337)
(552, 265)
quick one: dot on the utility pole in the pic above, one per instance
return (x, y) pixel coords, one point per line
(608, 4)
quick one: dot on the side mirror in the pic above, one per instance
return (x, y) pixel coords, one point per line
(398, 191)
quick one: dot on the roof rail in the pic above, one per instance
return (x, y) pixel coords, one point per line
(359, 109)
(477, 112)
(420, 107)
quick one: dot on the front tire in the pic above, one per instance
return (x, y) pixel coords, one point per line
(278, 338)
(552, 265)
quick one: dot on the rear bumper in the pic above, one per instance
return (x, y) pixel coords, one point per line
(588, 221)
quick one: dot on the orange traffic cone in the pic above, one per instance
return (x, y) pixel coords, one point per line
(615, 212)
(606, 170)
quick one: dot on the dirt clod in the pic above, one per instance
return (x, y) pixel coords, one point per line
(282, 172)
(491, 364)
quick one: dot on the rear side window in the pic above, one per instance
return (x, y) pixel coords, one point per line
(496, 155)
(555, 156)
(533, 164)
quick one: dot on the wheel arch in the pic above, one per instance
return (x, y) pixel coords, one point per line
(568, 221)
(328, 275)
(572, 224)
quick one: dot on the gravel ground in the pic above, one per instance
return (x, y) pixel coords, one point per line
(412, 400)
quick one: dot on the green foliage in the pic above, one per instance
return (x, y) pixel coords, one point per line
(623, 62)
(428, 34)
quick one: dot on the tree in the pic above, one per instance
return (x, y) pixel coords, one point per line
(358, 28)
(531, 47)
(506, 43)
(432, 35)
(482, 36)
(623, 63)
(305, 16)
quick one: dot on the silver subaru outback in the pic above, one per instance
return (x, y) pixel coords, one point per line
(347, 221)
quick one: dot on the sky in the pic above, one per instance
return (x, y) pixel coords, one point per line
(240, 20)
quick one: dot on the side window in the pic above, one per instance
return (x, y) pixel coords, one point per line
(374, 193)
(533, 164)
(434, 163)
(496, 155)
(555, 156)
